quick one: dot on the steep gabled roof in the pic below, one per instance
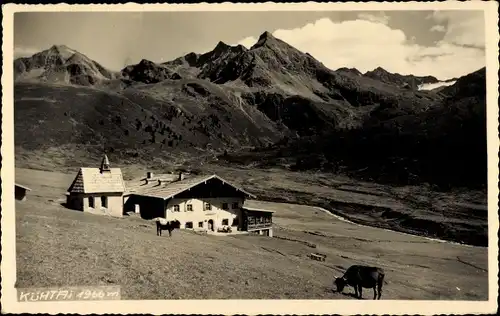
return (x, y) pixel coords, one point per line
(92, 180)
(169, 190)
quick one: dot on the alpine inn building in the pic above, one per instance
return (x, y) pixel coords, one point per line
(198, 202)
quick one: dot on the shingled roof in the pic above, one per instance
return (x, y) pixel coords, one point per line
(98, 180)
(169, 190)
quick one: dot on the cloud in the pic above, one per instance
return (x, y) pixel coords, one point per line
(377, 18)
(464, 27)
(25, 51)
(438, 28)
(366, 45)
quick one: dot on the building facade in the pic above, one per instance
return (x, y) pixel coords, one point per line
(206, 213)
(97, 190)
(207, 203)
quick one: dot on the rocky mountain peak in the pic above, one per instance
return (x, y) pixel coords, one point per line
(221, 46)
(378, 70)
(61, 50)
(265, 39)
(145, 62)
(266, 35)
(353, 71)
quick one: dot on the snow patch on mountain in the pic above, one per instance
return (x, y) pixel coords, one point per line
(431, 86)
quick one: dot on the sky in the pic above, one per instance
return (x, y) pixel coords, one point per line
(444, 44)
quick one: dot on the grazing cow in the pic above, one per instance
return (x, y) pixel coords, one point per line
(162, 224)
(360, 277)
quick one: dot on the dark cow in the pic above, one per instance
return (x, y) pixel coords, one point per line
(360, 277)
(170, 226)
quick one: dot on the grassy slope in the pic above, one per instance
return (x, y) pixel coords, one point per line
(145, 120)
(56, 246)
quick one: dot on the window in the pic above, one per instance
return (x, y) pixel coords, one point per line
(189, 225)
(91, 201)
(235, 205)
(225, 222)
(104, 201)
(189, 207)
(200, 224)
(177, 208)
(224, 206)
(208, 207)
(235, 221)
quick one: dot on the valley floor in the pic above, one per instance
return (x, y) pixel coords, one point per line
(459, 215)
(56, 247)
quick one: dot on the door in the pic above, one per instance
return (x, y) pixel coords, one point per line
(211, 225)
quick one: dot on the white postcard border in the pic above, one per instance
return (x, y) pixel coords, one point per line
(249, 307)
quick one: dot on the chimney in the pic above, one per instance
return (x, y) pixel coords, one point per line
(149, 175)
(105, 164)
(181, 176)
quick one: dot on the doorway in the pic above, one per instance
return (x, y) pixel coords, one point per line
(211, 224)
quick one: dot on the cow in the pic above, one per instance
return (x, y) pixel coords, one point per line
(359, 277)
(162, 224)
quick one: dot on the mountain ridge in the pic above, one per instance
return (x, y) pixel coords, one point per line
(266, 39)
(223, 100)
(408, 81)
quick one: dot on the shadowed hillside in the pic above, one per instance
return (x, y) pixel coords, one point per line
(144, 120)
(445, 145)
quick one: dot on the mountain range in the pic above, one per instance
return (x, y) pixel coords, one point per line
(271, 98)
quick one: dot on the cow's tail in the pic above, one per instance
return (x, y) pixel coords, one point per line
(382, 278)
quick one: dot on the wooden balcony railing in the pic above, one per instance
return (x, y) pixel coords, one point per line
(260, 225)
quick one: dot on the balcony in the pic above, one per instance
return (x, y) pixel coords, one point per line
(260, 226)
